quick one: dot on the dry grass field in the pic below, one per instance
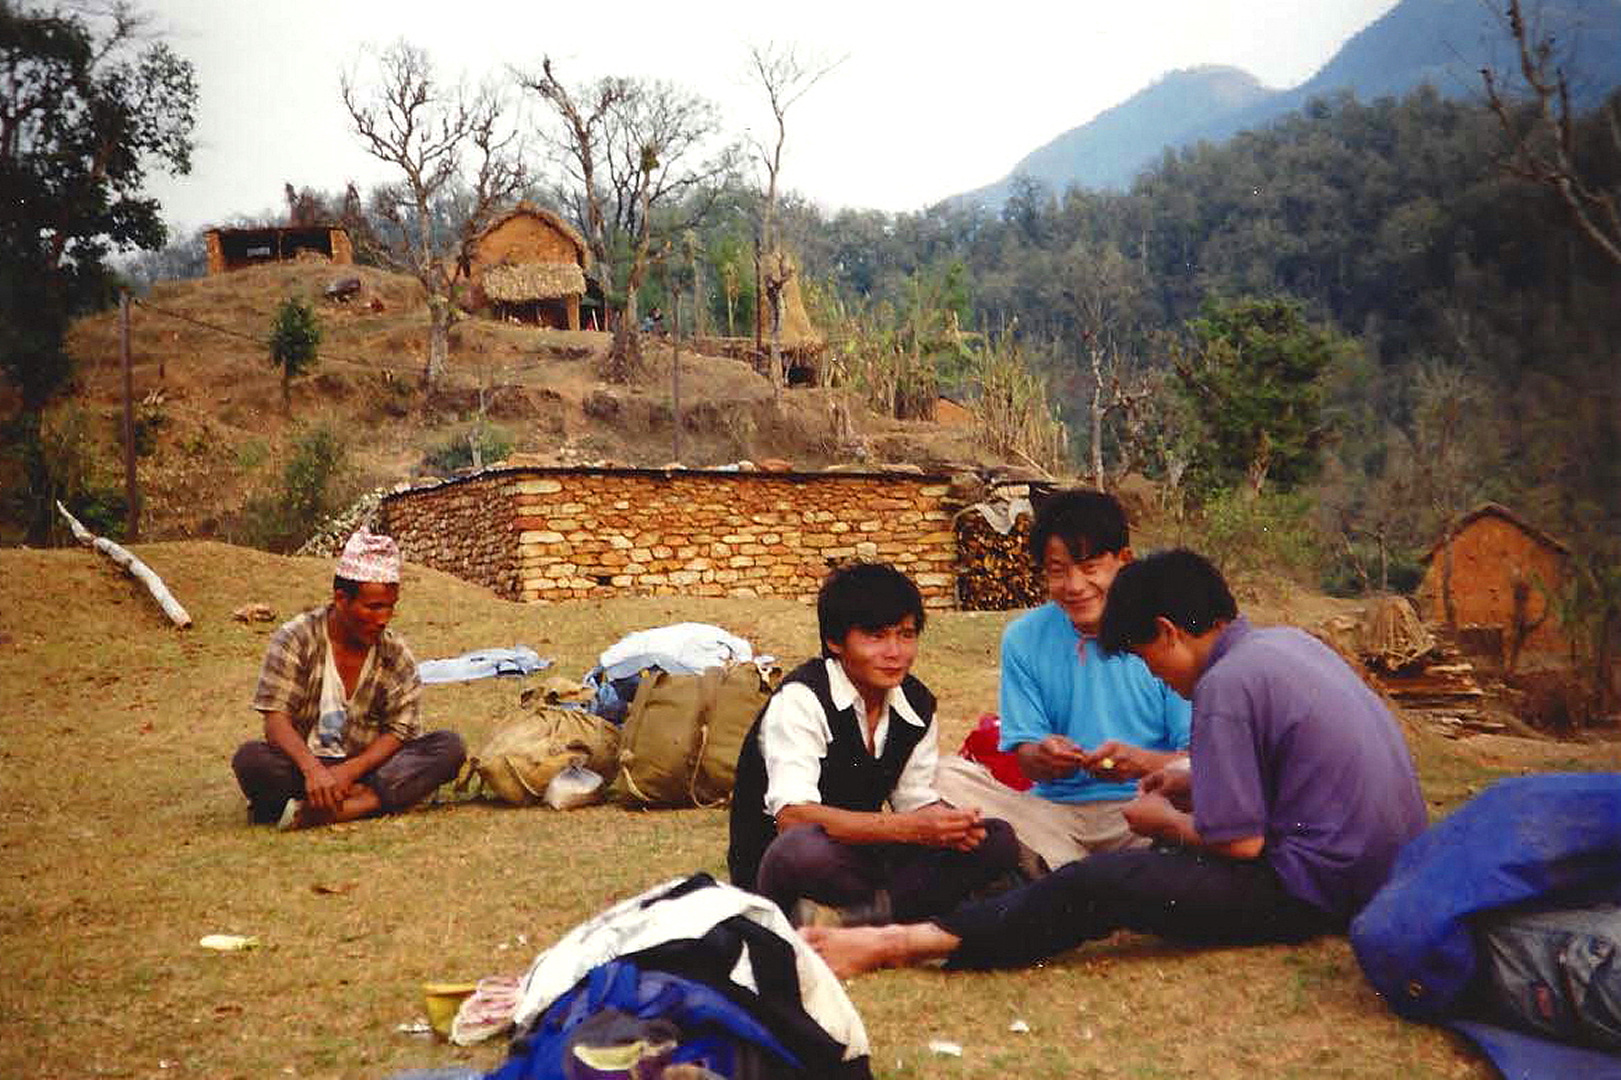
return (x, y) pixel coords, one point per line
(124, 841)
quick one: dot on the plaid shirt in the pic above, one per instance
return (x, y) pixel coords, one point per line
(385, 701)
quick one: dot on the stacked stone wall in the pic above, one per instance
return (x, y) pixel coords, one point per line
(465, 529)
(571, 534)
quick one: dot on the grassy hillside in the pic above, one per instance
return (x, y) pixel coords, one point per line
(124, 842)
(215, 433)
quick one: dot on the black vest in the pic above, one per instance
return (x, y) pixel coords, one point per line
(852, 779)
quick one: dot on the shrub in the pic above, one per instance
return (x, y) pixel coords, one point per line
(1261, 533)
(295, 335)
(150, 419)
(456, 452)
(55, 457)
(314, 484)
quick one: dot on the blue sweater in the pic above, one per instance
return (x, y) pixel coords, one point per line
(1054, 682)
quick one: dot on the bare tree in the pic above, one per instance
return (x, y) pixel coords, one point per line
(1543, 134)
(785, 77)
(407, 119)
(578, 143)
(1105, 290)
(633, 148)
(1116, 393)
(660, 156)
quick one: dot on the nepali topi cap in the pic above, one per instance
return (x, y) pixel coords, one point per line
(369, 556)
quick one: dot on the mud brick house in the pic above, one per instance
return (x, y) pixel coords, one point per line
(540, 534)
(1496, 578)
(532, 266)
(232, 249)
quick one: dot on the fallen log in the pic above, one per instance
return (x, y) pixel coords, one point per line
(132, 566)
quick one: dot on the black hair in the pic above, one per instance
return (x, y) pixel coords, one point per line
(349, 588)
(1089, 523)
(1180, 585)
(866, 596)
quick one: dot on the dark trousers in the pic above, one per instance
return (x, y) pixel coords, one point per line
(269, 777)
(1172, 892)
(921, 881)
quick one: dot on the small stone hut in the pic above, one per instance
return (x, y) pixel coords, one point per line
(1502, 577)
(532, 266)
(232, 249)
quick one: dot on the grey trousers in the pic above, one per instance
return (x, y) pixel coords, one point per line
(269, 778)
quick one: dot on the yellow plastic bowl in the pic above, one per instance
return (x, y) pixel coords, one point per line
(442, 1000)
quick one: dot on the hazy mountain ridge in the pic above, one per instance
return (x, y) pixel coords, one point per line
(1441, 42)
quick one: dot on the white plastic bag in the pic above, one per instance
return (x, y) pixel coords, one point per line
(574, 786)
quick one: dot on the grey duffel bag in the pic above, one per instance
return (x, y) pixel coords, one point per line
(1556, 971)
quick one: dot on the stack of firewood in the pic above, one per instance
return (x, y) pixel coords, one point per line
(994, 572)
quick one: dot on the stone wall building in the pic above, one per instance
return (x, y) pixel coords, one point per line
(538, 534)
(1493, 571)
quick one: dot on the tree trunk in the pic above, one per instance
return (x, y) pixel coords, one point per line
(439, 319)
(1097, 419)
(779, 377)
(1449, 610)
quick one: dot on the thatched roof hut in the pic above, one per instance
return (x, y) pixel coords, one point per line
(531, 265)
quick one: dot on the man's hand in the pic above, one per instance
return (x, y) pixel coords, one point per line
(1053, 758)
(1173, 782)
(1115, 760)
(325, 788)
(1152, 815)
(939, 825)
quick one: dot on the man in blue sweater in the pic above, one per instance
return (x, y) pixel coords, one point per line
(1085, 725)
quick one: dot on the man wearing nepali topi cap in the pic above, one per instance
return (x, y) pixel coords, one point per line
(339, 693)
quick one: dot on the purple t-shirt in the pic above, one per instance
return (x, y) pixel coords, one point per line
(1289, 744)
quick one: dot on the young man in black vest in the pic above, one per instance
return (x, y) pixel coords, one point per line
(847, 733)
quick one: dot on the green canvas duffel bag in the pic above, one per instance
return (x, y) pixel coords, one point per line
(682, 735)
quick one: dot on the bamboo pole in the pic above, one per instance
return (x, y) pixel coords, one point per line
(132, 566)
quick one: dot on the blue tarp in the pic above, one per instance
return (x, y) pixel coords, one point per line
(1549, 838)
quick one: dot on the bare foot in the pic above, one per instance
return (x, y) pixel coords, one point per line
(853, 950)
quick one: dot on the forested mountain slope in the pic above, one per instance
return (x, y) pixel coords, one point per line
(1442, 43)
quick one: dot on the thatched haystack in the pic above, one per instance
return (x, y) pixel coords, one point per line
(798, 335)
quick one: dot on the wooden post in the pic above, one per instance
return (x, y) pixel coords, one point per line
(132, 494)
(675, 382)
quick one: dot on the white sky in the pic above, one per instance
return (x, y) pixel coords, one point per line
(931, 99)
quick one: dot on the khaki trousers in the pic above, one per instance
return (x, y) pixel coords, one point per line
(1058, 833)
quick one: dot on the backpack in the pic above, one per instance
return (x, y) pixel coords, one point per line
(743, 994)
(683, 733)
(521, 758)
(1556, 971)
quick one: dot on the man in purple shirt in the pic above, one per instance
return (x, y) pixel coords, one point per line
(1299, 794)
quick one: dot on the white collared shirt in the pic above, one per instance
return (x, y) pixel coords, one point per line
(795, 733)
